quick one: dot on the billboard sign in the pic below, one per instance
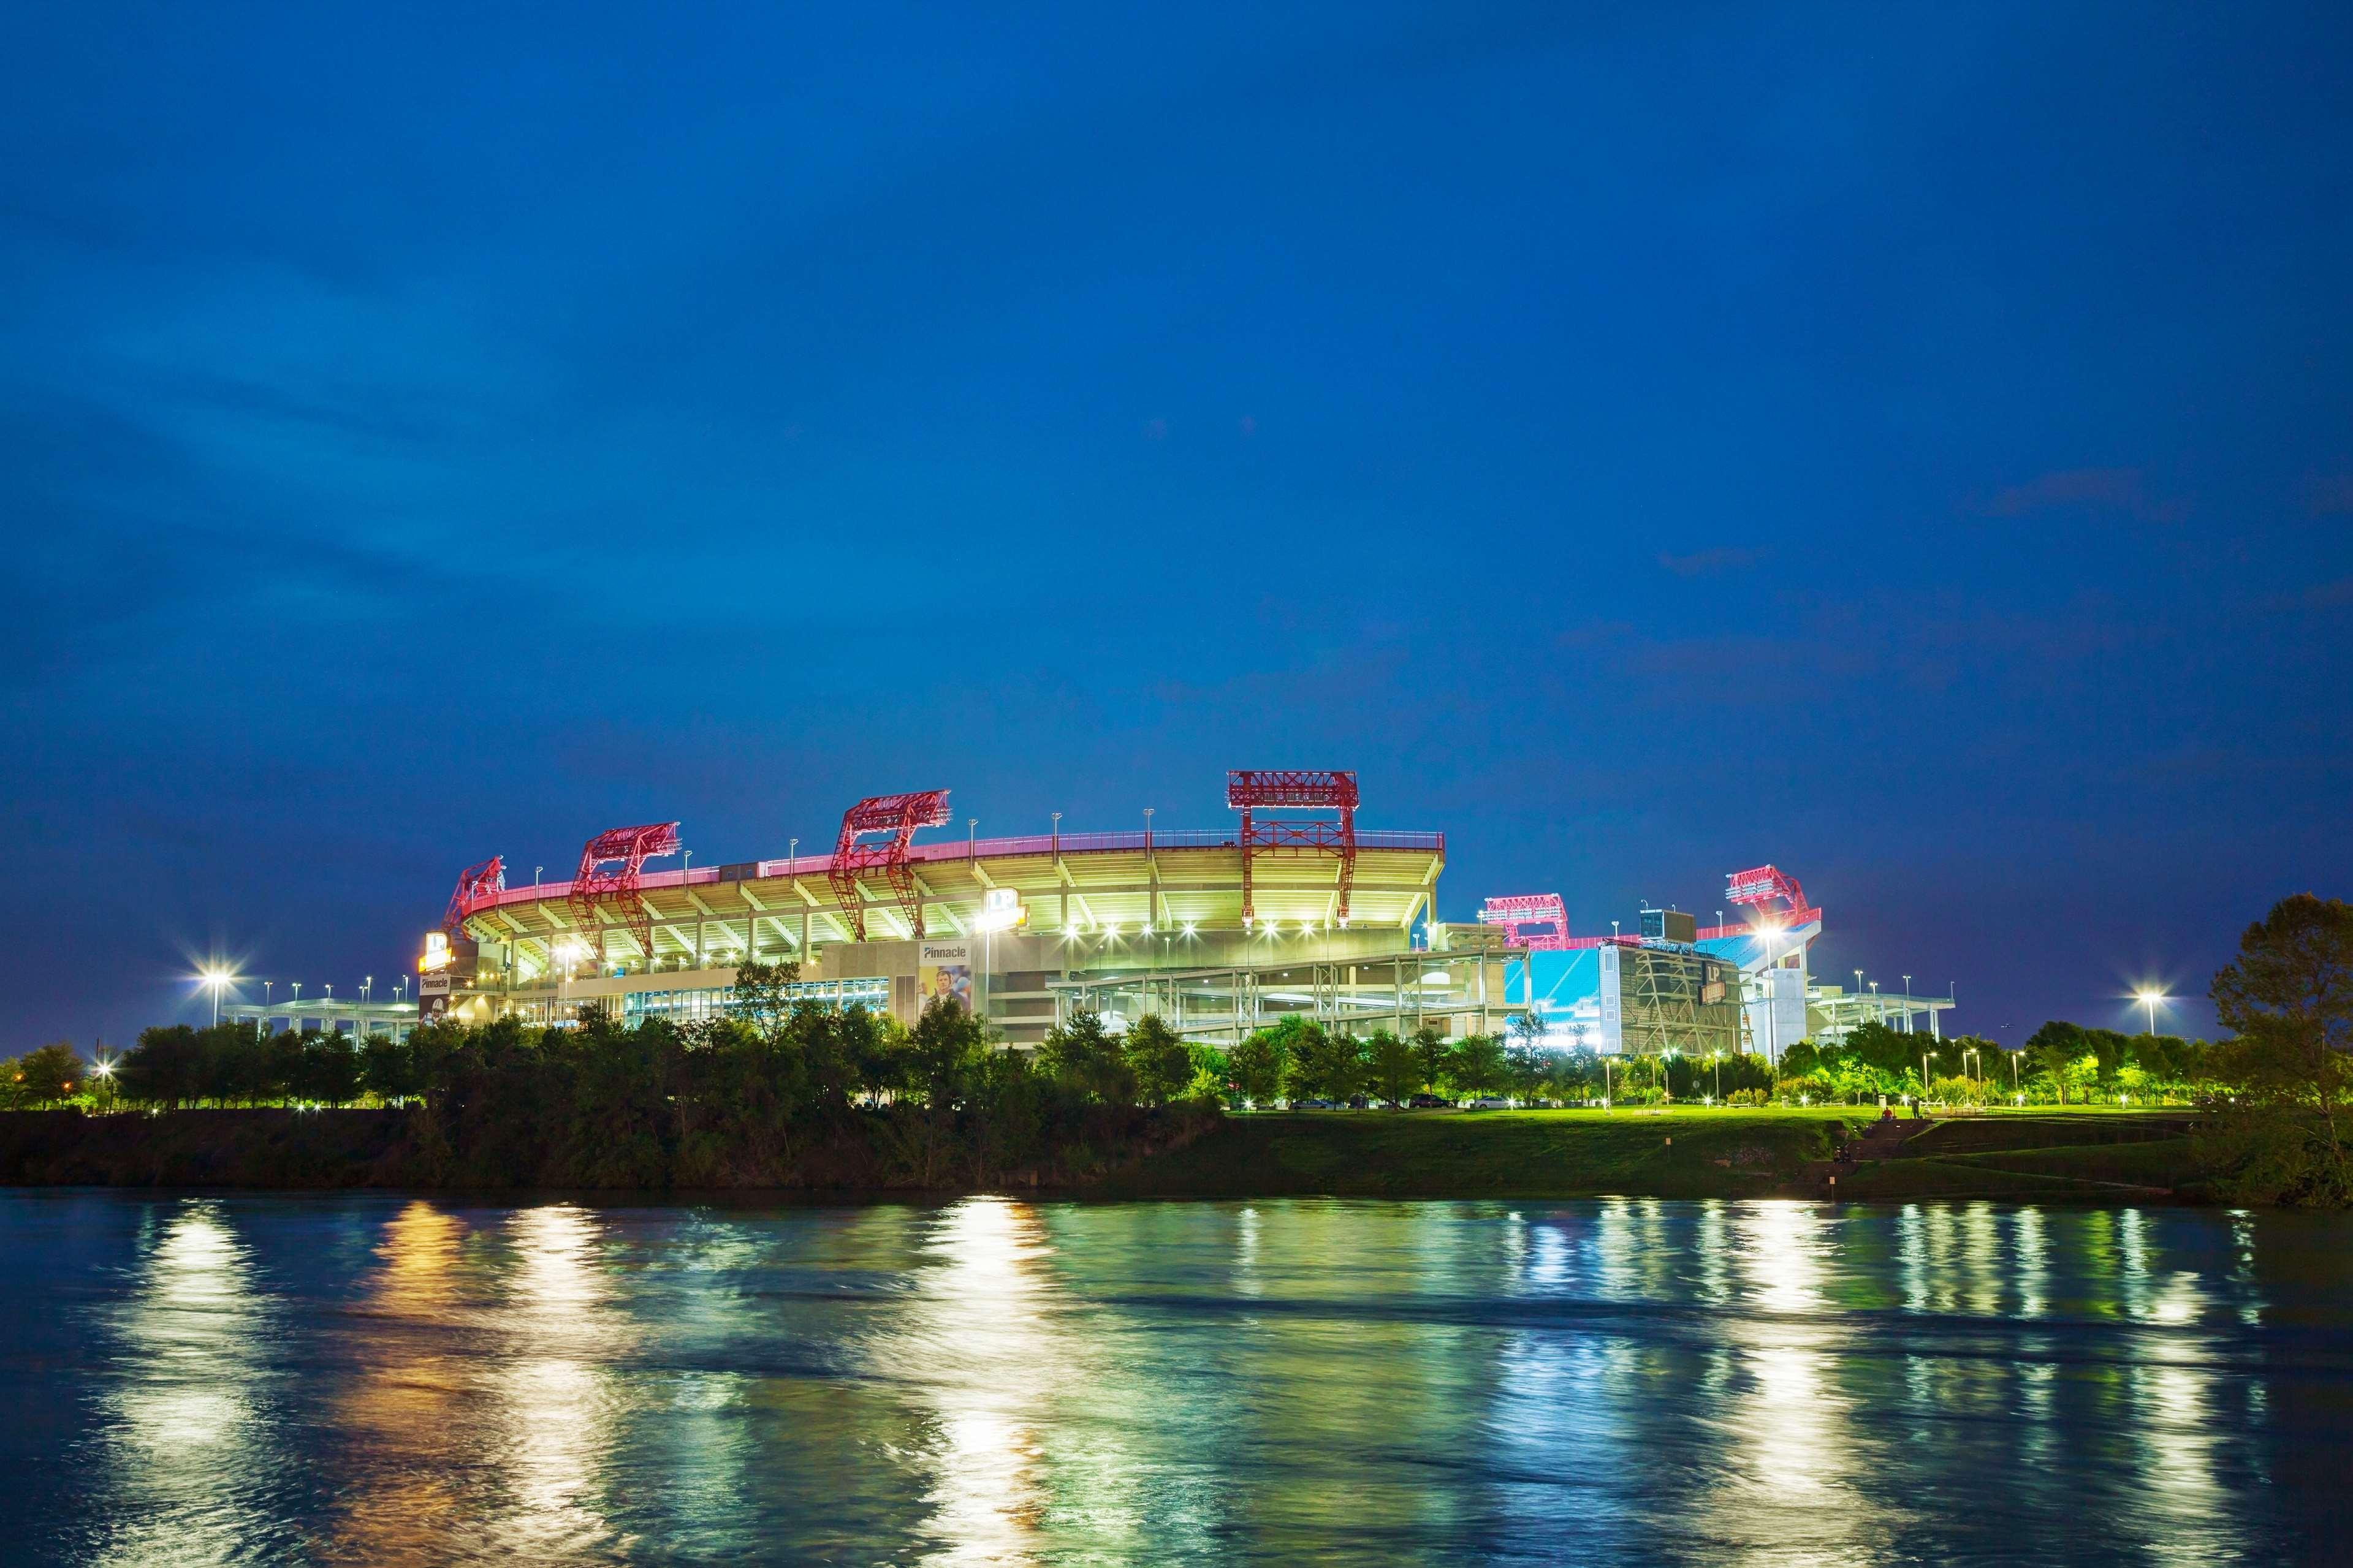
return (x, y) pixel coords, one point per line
(944, 969)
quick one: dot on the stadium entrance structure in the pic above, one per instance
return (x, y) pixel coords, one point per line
(998, 923)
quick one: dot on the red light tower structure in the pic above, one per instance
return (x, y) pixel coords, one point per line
(1536, 921)
(898, 815)
(1253, 790)
(1763, 886)
(609, 864)
(475, 883)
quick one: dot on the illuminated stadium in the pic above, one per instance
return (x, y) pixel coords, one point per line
(1289, 907)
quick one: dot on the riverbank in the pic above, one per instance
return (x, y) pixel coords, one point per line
(1686, 1152)
(1683, 1153)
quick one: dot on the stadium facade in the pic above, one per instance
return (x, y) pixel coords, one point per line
(1290, 909)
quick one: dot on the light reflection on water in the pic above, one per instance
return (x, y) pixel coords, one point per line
(409, 1381)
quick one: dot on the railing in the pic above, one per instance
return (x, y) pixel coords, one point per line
(954, 850)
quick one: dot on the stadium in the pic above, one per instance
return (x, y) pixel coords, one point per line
(1291, 907)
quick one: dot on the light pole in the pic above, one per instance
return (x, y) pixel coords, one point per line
(215, 980)
(366, 986)
(1907, 1004)
(1057, 833)
(536, 870)
(1147, 830)
(972, 839)
(2150, 999)
(793, 855)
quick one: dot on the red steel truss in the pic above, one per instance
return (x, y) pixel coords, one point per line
(475, 883)
(609, 864)
(1250, 790)
(1515, 910)
(1763, 886)
(899, 816)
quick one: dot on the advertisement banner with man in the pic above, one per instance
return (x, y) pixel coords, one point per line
(944, 969)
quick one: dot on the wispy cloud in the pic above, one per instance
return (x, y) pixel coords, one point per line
(2331, 495)
(1709, 562)
(2087, 490)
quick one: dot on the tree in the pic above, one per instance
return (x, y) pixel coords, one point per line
(51, 1074)
(327, 1070)
(1327, 1064)
(2288, 997)
(1393, 1067)
(1477, 1065)
(1430, 1054)
(1212, 1079)
(943, 1053)
(1158, 1063)
(2056, 1051)
(761, 997)
(1082, 1054)
(1527, 1066)
(1888, 1053)
(1257, 1067)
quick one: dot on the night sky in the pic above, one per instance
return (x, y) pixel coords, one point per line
(1643, 441)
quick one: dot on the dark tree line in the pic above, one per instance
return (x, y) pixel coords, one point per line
(773, 1093)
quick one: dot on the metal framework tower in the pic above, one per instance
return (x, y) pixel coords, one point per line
(1533, 911)
(1250, 790)
(1765, 885)
(899, 816)
(609, 864)
(475, 883)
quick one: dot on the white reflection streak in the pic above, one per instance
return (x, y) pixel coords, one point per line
(982, 1329)
(559, 1430)
(184, 1421)
(1789, 1432)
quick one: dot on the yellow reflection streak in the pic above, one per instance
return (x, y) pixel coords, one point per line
(407, 1408)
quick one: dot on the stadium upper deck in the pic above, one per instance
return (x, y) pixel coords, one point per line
(1089, 884)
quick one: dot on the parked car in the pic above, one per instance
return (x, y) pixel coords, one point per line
(1489, 1102)
(1314, 1105)
(1429, 1102)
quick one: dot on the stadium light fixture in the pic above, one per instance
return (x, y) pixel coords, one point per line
(1189, 931)
(216, 980)
(2148, 998)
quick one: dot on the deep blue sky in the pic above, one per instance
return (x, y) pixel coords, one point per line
(1643, 441)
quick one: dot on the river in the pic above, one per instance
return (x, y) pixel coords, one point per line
(390, 1379)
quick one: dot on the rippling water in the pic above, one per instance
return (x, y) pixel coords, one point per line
(387, 1380)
